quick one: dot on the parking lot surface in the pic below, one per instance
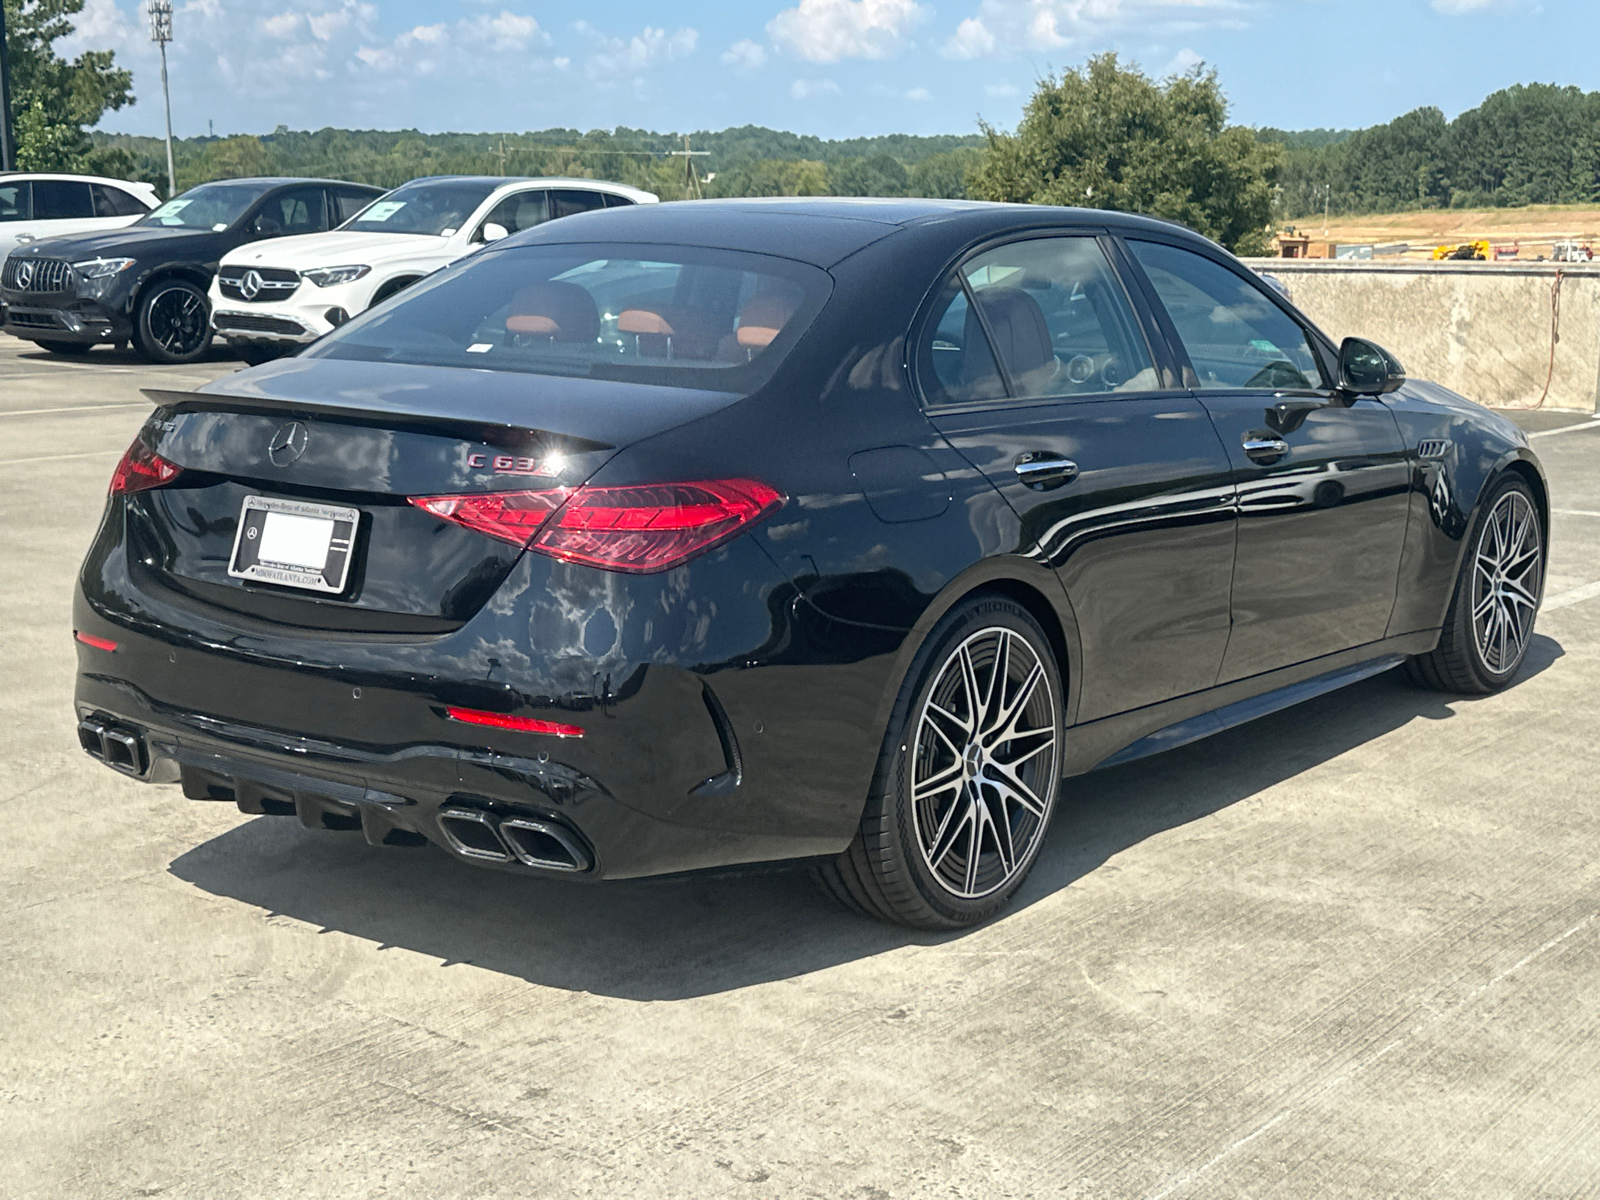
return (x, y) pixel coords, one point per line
(1349, 950)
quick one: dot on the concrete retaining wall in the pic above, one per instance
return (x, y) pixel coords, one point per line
(1482, 329)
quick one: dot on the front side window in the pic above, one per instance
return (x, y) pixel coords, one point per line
(213, 206)
(427, 208)
(299, 210)
(1050, 312)
(1235, 336)
(676, 315)
(16, 201)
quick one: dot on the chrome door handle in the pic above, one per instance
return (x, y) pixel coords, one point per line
(1043, 471)
(1264, 446)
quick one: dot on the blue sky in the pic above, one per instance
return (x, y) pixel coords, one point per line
(836, 68)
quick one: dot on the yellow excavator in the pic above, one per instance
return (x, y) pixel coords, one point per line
(1464, 252)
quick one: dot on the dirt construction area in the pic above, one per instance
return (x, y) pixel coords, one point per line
(1351, 950)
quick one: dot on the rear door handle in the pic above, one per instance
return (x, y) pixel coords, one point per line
(1264, 447)
(1041, 470)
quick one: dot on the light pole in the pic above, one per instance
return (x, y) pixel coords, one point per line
(8, 148)
(161, 34)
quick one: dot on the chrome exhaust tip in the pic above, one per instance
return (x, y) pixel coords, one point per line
(543, 844)
(471, 834)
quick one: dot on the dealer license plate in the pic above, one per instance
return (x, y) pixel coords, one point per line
(295, 544)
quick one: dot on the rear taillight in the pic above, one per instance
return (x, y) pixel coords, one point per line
(639, 529)
(140, 470)
(474, 716)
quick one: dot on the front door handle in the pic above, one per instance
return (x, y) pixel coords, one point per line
(1042, 470)
(1264, 447)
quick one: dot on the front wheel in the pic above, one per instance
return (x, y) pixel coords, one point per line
(966, 781)
(174, 322)
(1490, 622)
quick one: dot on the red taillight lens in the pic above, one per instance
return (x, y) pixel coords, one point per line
(140, 470)
(473, 716)
(98, 643)
(653, 527)
(510, 516)
(637, 529)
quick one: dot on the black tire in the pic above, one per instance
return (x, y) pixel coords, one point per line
(67, 349)
(253, 354)
(173, 324)
(393, 288)
(903, 863)
(1489, 625)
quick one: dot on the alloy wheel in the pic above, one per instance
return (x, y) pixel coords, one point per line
(178, 321)
(1507, 579)
(984, 764)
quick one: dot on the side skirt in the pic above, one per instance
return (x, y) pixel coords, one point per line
(1125, 737)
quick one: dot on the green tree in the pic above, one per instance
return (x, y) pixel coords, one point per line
(53, 100)
(1106, 137)
(879, 175)
(773, 177)
(944, 176)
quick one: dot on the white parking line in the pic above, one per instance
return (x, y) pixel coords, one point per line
(1575, 512)
(1565, 429)
(1575, 595)
(41, 412)
(7, 462)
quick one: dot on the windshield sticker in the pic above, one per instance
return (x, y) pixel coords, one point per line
(480, 347)
(171, 209)
(383, 210)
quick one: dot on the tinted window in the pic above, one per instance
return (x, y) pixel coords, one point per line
(114, 202)
(614, 201)
(517, 212)
(1059, 319)
(426, 207)
(675, 315)
(568, 201)
(1235, 335)
(347, 203)
(61, 200)
(298, 210)
(958, 365)
(209, 206)
(16, 201)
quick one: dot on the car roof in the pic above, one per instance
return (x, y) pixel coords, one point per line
(69, 176)
(822, 230)
(285, 180)
(603, 185)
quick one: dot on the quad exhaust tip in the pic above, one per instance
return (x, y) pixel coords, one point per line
(545, 845)
(120, 749)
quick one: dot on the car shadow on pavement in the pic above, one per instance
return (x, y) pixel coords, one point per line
(683, 936)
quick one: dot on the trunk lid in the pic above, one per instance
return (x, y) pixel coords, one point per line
(369, 436)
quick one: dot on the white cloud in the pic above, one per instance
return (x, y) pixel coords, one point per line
(1004, 27)
(628, 58)
(745, 55)
(1460, 8)
(828, 30)
(919, 94)
(804, 89)
(1002, 91)
(1181, 63)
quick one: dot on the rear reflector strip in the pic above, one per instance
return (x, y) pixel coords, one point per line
(473, 716)
(98, 643)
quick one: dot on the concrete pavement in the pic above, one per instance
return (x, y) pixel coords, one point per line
(1348, 951)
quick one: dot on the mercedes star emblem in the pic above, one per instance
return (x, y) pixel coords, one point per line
(250, 285)
(288, 444)
(24, 275)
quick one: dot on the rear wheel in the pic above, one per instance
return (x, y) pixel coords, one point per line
(1490, 623)
(967, 777)
(174, 322)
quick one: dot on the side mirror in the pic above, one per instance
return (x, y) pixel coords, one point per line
(493, 232)
(1367, 369)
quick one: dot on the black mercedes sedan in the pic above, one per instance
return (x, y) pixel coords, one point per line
(851, 531)
(147, 283)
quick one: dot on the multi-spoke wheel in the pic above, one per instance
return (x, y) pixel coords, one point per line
(174, 322)
(1490, 623)
(967, 779)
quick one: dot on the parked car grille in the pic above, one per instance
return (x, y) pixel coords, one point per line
(22, 319)
(245, 323)
(35, 274)
(270, 283)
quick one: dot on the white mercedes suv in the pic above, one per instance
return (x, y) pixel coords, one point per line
(269, 298)
(36, 205)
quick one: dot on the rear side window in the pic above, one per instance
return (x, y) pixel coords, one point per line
(517, 212)
(567, 201)
(61, 200)
(16, 201)
(114, 202)
(676, 315)
(348, 203)
(1041, 318)
(614, 201)
(1234, 334)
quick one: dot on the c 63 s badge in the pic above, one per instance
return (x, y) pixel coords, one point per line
(512, 464)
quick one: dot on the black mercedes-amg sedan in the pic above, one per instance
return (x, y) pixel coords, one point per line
(146, 283)
(670, 538)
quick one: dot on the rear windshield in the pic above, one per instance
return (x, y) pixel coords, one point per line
(676, 315)
(436, 209)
